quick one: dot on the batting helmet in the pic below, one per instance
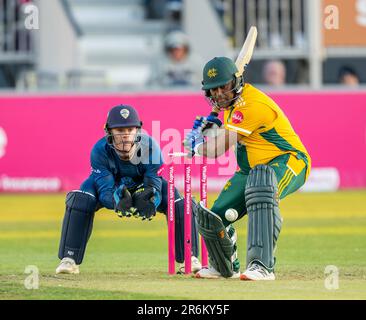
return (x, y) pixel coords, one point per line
(218, 72)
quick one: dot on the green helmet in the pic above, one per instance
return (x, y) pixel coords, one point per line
(218, 72)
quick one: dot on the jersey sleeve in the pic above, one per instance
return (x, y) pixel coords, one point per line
(103, 177)
(250, 118)
(153, 170)
(152, 179)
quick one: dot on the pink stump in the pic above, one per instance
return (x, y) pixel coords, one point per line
(187, 218)
(203, 198)
(171, 220)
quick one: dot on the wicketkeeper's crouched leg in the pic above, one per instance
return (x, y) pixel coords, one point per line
(78, 223)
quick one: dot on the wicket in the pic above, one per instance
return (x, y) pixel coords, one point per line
(187, 214)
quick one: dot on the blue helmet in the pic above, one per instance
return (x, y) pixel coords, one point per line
(122, 116)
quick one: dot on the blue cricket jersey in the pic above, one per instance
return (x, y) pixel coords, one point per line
(109, 171)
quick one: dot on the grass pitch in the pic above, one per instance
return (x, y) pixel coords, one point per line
(127, 258)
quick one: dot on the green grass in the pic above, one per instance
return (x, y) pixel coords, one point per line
(127, 258)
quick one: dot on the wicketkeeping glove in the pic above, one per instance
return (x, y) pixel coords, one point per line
(122, 200)
(144, 201)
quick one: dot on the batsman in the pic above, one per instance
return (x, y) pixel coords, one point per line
(272, 163)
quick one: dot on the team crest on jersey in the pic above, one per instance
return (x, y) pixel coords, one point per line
(237, 117)
(125, 113)
(212, 73)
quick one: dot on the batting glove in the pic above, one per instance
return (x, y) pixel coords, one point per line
(203, 123)
(193, 140)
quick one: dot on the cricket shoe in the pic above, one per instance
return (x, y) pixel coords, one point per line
(67, 265)
(195, 266)
(257, 272)
(211, 273)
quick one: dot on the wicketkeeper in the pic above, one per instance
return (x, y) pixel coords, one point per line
(125, 177)
(272, 163)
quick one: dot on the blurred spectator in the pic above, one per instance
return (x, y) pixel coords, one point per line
(169, 10)
(274, 73)
(173, 14)
(155, 9)
(348, 76)
(220, 7)
(175, 7)
(179, 67)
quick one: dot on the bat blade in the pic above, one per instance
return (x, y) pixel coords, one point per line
(246, 51)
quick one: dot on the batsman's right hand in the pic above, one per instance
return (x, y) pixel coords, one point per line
(203, 123)
(193, 140)
(122, 200)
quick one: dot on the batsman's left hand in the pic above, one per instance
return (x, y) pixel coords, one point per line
(144, 201)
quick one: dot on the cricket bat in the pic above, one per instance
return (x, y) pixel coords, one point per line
(246, 52)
